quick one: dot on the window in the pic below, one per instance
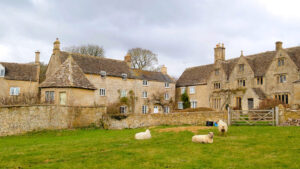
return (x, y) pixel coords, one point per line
(192, 90)
(182, 90)
(281, 78)
(193, 104)
(123, 109)
(167, 85)
(280, 61)
(14, 91)
(145, 82)
(145, 94)
(144, 109)
(2, 72)
(166, 109)
(102, 92)
(217, 72)
(123, 93)
(283, 97)
(241, 82)
(166, 96)
(260, 80)
(102, 73)
(124, 76)
(241, 67)
(216, 103)
(62, 98)
(49, 96)
(217, 85)
(180, 105)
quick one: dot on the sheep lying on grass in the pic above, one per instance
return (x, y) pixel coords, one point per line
(203, 138)
(143, 135)
(222, 127)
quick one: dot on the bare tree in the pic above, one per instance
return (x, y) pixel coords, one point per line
(93, 50)
(143, 59)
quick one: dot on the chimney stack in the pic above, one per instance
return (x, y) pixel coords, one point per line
(278, 45)
(56, 46)
(127, 59)
(163, 69)
(37, 57)
(219, 52)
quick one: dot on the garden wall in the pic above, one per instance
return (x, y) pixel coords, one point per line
(145, 120)
(21, 119)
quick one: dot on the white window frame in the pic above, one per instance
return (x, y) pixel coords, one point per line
(145, 82)
(144, 109)
(102, 73)
(123, 109)
(182, 90)
(167, 96)
(193, 104)
(124, 76)
(180, 105)
(2, 71)
(166, 109)
(145, 94)
(14, 91)
(123, 93)
(102, 92)
(192, 89)
(167, 85)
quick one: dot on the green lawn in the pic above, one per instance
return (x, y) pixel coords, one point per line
(244, 147)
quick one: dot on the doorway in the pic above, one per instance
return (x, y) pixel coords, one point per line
(250, 103)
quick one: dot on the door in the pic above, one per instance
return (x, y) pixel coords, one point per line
(62, 98)
(239, 103)
(250, 103)
(155, 109)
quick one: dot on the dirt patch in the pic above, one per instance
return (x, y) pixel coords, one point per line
(193, 129)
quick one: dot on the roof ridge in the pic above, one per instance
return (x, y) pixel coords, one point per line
(18, 63)
(95, 57)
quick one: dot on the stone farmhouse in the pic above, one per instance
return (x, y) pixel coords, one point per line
(83, 80)
(19, 79)
(243, 82)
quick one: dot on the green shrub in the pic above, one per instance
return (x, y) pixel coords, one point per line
(186, 100)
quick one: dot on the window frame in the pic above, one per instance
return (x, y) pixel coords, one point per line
(144, 109)
(193, 104)
(123, 109)
(167, 85)
(181, 105)
(166, 109)
(217, 85)
(14, 91)
(280, 62)
(103, 73)
(217, 72)
(145, 82)
(50, 99)
(124, 76)
(145, 94)
(241, 82)
(182, 90)
(241, 67)
(101, 91)
(190, 91)
(123, 93)
(166, 96)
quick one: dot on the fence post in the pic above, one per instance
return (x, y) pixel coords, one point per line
(228, 116)
(277, 115)
(273, 116)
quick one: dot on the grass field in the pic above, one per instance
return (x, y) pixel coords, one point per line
(244, 147)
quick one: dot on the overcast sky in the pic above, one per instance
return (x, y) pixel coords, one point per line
(182, 33)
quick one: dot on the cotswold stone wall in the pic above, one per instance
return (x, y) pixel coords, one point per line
(145, 120)
(21, 119)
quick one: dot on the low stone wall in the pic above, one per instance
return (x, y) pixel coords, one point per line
(21, 119)
(145, 120)
(288, 117)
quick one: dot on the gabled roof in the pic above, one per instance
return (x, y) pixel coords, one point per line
(151, 75)
(69, 74)
(259, 63)
(112, 67)
(259, 93)
(94, 65)
(23, 72)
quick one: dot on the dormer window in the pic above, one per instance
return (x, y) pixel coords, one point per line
(241, 67)
(2, 71)
(280, 62)
(103, 73)
(124, 76)
(217, 85)
(241, 82)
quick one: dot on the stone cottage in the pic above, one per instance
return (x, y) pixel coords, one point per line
(83, 80)
(18, 80)
(243, 82)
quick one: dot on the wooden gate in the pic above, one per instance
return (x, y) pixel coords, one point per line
(253, 117)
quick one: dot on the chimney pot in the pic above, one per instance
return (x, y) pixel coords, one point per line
(56, 45)
(164, 69)
(127, 59)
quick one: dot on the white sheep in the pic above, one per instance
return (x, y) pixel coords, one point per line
(222, 127)
(143, 135)
(203, 138)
